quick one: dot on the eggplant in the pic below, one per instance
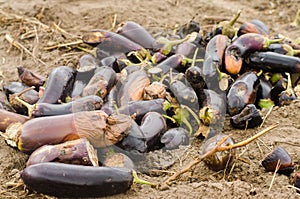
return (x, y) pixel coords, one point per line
(153, 126)
(114, 62)
(213, 63)
(213, 108)
(139, 108)
(133, 88)
(185, 95)
(67, 180)
(175, 62)
(154, 91)
(194, 76)
(110, 102)
(188, 50)
(185, 29)
(7, 118)
(242, 92)
(249, 117)
(88, 103)
(108, 43)
(101, 130)
(297, 181)
(137, 34)
(101, 82)
(175, 137)
(254, 26)
(4, 103)
(78, 151)
(158, 57)
(29, 78)
(274, 62)
(59, 85)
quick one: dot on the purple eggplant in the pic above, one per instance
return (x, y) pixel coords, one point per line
(213, 108)
(137, 34)
(185, 29)
(242, 92)
(194, 76)
(254, 26)
(101, 82)
(67, 180)
(139, 108)
(153, 126)
(175, 137)
(78, 151)
(59, 85)
(133, 88)
(155, 90)
(29, 78)
(249, 117)
(213, 63)
(7, 118)
(274, 62)
(110, 43)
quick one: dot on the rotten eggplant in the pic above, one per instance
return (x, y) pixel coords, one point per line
(29, 78)
(242, 92)
(78, 151)
(249, 117)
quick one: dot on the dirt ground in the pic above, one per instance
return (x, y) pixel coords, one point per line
(248, 178)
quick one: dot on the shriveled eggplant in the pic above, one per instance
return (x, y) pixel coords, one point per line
(218, 160)
(29, 78)
(249, 117)
(78, 151)
(242, 92)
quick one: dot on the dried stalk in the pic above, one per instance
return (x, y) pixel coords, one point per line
(218, 148)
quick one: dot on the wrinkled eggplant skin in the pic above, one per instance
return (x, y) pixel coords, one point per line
(242, 92)
(101, 82)
(194, 76)
(175, 137)
(59, 85)
(67, 180)
(29, 78)
(249, 117)
(286, 165)
(274, 62)
(133, 88)
(88, 103)
(153, 126)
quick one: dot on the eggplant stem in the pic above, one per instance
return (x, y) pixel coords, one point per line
(235, 18)
(187, 123)
(170, 118)
(194, 57)
(268, 42)
(137, 180)
(92, 52)
(28, 106)
(192, 113)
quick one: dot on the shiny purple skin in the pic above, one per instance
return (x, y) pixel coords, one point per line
(67, 180)
(175, 137)
(286, 166)
(173, 62)
(153, 126)
(59, 85)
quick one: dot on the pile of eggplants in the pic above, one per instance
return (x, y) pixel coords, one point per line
(139, 94)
